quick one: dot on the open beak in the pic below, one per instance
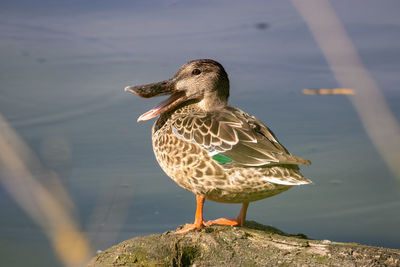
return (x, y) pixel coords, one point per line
(156, 89)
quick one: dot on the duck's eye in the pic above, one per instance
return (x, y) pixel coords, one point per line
(196, 72)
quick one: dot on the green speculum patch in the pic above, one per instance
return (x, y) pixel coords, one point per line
(221, 159)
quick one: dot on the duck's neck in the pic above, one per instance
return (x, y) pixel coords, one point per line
(211, 102)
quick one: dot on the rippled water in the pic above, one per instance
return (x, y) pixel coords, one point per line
(62, 72)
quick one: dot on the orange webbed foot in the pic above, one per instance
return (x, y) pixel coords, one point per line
(189, 227)
(239, 221)
(223, 221)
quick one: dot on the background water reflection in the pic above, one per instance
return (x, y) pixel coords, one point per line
(63, 69)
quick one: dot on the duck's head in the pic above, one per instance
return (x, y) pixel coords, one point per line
(203, 81)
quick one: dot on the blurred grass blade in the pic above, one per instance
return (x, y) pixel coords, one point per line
(19, 174)
(337, 47)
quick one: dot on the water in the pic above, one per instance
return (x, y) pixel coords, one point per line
(63, 69)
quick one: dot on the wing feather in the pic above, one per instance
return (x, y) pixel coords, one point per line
(234, 134)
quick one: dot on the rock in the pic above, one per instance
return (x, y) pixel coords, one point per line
(252, 245)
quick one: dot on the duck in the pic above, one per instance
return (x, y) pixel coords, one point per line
(218, 152)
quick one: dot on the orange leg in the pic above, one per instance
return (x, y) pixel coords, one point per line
(198, 219)
(239, 221)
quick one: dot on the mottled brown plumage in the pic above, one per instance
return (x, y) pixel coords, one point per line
(213, 150)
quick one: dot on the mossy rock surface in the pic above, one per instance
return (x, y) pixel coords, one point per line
(252, 245)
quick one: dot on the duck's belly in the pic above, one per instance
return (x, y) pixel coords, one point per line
(246, 185)
(192, 168)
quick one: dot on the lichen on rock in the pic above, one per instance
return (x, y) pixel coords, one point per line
(252, 245)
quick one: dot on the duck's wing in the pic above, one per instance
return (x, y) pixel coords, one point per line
(231, 135)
